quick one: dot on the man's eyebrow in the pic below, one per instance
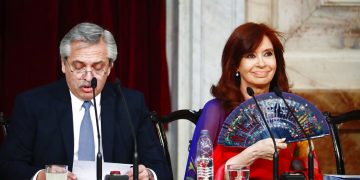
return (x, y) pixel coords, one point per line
(81, 62)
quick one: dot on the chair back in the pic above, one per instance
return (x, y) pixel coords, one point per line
(333, 122)
(184, 114)
(3, 127)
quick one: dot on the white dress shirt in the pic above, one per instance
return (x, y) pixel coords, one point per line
(78, 113)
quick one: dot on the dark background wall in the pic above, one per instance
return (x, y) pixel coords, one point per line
(30, 32)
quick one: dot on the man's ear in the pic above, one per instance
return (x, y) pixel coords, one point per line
(111, 65)
(63, 65)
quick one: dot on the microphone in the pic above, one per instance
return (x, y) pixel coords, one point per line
(99, 155)
(250, 91)
(136, 163)
(310, 155)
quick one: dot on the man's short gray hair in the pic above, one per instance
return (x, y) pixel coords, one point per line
(88, 33)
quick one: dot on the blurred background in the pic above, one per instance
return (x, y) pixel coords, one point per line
(31, 32)
(322, 54)
(171, 50)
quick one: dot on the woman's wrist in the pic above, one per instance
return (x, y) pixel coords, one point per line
(246, 157)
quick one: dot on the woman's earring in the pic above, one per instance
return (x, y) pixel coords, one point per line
(237, 78)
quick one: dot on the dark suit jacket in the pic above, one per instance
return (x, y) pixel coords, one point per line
(41, 132)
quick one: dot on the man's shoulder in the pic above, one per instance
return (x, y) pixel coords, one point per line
(114, 89)
(132, 92)
(131, 96)
(45, 90)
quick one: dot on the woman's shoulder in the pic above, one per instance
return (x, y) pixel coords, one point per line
(213, 110)
(212, 104)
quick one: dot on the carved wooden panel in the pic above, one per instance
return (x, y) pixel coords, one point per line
(337, 102)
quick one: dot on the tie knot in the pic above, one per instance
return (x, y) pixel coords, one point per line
(87, 105)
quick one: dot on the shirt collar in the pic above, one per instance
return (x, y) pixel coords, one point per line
(77, 103)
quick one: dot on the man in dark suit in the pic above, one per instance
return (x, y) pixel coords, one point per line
(47, 123)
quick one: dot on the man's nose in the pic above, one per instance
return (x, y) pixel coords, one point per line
(88, 75)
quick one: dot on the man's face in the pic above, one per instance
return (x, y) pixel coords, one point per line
(85, 62)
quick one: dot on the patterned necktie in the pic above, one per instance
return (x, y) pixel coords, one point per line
(86, 140)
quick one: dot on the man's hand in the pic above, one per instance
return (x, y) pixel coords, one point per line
(144, 173)
(41, 176)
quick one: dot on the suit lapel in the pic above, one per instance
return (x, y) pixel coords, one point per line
(64, 116)
(108, 105)
(63, 110)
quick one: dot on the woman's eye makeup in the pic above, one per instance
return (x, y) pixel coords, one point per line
(250, 56)
(268, 53)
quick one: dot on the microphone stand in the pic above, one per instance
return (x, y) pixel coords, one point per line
(250, 91)
(136, 163)
(310, 154)
(99, 155)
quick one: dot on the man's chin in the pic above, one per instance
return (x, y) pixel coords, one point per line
(86, 96)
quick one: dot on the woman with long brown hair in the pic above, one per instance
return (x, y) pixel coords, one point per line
(252, 57)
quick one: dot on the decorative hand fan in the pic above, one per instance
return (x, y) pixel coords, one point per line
(244, 126)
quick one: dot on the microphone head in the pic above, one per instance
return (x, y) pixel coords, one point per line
(250, 91)
(93, 82)
(277, 91)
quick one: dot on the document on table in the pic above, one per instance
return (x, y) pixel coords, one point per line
(339, 177)
(86, 170)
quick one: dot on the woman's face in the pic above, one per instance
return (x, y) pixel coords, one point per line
(257, 68)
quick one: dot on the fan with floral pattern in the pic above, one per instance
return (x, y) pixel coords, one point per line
(244, 125)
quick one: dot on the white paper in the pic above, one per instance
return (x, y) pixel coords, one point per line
(337, 176)
(86, 170)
